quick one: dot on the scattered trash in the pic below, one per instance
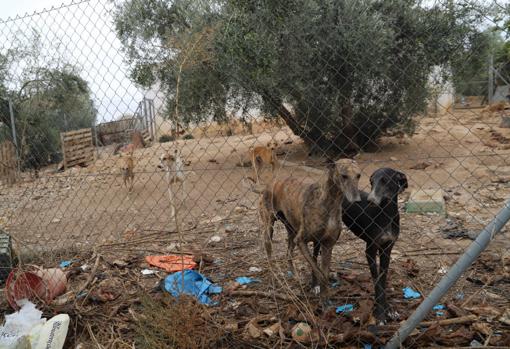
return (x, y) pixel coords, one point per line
(192, 283)
(52, 334)
(367, 346)
(442, 270)
(344, 309)
(35, 283)
(255, 270)
(14, 333)
(26, 329)
(460, 234)
(302, 333)
(172, 263)
(253, 330)
(65, 264)
(475, 344)
(335, 284)
(173, 246)
(409, 293)
(290, 274)
(215, 238)
(459, 296)
(245, 280)
(265, 324)
(149, 272)
(439, 307)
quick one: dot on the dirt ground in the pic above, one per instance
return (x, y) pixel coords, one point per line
(62, 215)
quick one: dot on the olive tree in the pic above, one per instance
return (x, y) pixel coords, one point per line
(340, 73)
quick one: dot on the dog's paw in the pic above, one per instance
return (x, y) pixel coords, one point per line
(316, 290)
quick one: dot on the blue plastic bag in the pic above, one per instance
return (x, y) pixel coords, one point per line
(245, 280)
(195, 284)
(347, 308)
(409, 293)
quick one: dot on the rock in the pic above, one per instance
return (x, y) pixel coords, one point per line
(230, 228)
(216, 219)
(240, 209)
(255, 270)
(421, 165)
(215, 238)
(505, 122)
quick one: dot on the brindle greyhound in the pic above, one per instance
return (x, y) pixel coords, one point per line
(311, 212)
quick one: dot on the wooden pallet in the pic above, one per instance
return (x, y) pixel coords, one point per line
(77, 147)
(8, 168)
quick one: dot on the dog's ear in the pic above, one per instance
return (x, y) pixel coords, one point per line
(402, 181)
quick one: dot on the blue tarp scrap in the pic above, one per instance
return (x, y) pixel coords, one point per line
(346, 308)
(409, 293)
(245, 280)
(195, 284)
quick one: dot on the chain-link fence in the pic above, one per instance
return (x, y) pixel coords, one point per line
(150, 146)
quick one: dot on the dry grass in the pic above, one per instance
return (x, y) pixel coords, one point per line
(166, 322)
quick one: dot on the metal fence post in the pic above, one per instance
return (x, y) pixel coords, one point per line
(491, 78)
(13, 130)
(473, 251)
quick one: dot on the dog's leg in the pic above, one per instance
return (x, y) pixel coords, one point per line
(255, 169)
(316, 250)
(381, 301)
(371, 254)
(291, 244)
(326, 250)
(268, 220)
(306, 253)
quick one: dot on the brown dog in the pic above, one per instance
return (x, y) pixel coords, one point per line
(264, 155)
(127, 169)
(311, 211)
(495, 107)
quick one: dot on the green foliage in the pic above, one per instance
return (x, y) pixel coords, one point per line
(57, 101)
(47, 98)
(351, 70)
(166, 138)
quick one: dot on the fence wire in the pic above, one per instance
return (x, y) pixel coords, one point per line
(324, 162)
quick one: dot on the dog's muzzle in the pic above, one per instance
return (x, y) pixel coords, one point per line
(374, 198)
(353, 197)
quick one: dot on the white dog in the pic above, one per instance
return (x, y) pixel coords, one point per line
(173, 165)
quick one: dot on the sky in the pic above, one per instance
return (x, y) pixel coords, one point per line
(80, 33)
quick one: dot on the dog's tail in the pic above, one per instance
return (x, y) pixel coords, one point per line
(253, 185)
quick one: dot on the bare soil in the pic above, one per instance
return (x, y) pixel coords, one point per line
(62, 215)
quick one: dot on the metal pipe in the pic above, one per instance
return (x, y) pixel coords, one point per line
(455, 272)
(14, 136)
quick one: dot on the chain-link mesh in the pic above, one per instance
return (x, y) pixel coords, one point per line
(143, 138)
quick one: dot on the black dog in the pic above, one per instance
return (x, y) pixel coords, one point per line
(376, 220)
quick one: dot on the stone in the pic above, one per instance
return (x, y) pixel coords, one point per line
(426, 201)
